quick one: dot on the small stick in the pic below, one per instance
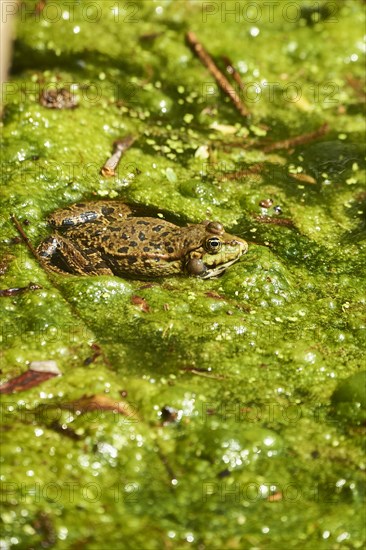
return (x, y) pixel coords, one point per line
(298, 140)
(234, 73)
(24, 236)
(275, 221)
(303, 177)
(200, 372)
(119, 147)
(18, 290)
(220, 78)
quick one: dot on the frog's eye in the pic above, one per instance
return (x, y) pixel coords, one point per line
(213, 245)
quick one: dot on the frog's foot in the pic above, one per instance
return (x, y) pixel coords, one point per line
(47, 249)
(58, 254)
(100, 211)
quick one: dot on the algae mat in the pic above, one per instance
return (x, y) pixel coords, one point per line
(226, 413)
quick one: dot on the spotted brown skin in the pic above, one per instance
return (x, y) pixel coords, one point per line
(108, 238)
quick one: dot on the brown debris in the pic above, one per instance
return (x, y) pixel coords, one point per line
(297, 140)
(18, 290)
(151, 36)
(205, 58)
(214, 295)
(64, 430)
(99, 403)
(34, 376)
(169, 415)
(230, 69)
(44, 527)
(303, 177)
(141, 303)
(24, 236)
(275, 497)
(119, 147)
(4, 263)
(266, 203)
(97, 352)
(275, 221)
(206, 373)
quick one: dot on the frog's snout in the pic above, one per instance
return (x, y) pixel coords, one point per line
(241, 245)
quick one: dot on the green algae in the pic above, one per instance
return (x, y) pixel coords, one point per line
(349, 399)
(266, 439)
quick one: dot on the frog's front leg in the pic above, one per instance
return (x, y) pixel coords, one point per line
(59, 254)
(84, 212)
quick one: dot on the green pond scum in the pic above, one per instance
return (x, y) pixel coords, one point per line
(226, 413)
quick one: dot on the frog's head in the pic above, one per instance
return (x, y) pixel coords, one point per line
(218, 250)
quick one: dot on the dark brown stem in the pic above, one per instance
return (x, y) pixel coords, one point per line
(205, 58)
(275, 221)
(24, 236)
(233, 72)
(297, 140)
(18, 290)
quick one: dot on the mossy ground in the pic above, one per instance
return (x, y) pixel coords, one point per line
(257, 456)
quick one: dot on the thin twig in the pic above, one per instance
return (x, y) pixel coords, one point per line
(18, 290)
(220, 78)
(24, 236)
(297, 140)
(233, 72)
(275, 221)
(199, 372)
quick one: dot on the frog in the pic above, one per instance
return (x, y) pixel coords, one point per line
(109, 237)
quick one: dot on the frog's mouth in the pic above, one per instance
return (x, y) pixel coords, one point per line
(216, 265)
(217, 270)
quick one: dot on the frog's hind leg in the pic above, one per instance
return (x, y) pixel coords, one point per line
(58, 254)
(103, 212)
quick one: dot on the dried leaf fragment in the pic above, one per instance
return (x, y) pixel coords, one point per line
(38, 372)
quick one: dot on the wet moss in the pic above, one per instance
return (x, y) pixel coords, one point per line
(255, 363)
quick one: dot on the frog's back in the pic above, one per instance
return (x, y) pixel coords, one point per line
(141, 247)
(90, 212)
